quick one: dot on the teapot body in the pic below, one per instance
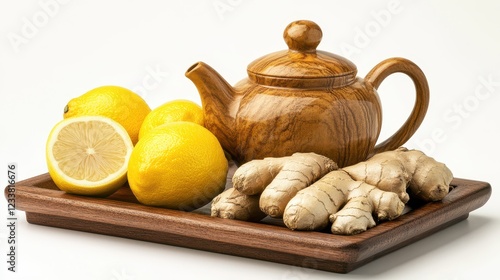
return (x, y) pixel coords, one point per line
(305, 100)
(340, 123)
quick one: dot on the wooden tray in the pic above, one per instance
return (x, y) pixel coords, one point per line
(121, 215)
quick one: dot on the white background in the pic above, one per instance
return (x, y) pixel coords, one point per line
(54, 51)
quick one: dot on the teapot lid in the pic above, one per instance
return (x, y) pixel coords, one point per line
(302, 66)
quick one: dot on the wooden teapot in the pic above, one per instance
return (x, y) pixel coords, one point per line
(304, 100)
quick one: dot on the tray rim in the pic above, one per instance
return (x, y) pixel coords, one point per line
(317, 250)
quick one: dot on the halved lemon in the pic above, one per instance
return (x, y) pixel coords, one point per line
(88, 155)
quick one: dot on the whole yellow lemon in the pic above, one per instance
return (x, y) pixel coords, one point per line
(172, 111)
(118, 103)
(178, 165)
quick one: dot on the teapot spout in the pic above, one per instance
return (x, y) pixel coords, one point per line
(218, 100)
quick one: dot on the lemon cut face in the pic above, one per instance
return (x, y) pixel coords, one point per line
(88, 155)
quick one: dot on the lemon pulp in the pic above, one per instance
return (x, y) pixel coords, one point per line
(88, 155)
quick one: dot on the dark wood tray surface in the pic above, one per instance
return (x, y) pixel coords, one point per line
(121, 215)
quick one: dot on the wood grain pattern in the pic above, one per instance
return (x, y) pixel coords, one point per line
(401, 65)
(304, 100)
(302, 66)
(121, 215)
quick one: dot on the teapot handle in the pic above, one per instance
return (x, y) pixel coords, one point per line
(401, 65)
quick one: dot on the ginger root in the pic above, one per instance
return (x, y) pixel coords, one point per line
(310, 193)
(264, 187)
(277, 180)
(403, 169)
(232, 204)
(342, 201)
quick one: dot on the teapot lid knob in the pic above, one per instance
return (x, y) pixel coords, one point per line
(303, 36)
(301, 65)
